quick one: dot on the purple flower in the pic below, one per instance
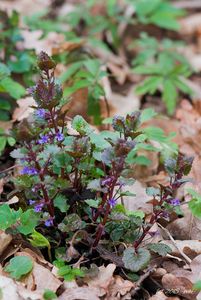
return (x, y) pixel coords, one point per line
(154, 233)
(112, 202)
(38, 207)
(175, 202)
(36, 188)
(40, 112)
(43, 139)
(165, 215)
(107, 181)
(28, 171)
(59, 136)
(31, 90)
(49, 222)
(31, 202)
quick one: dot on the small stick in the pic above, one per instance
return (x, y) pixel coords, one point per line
(8, 169)
(174, 243)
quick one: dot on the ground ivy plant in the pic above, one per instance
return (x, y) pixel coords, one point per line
(72, 181)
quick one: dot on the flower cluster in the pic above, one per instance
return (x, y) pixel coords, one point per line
(175, 202)
(29, 171)
(112, 202)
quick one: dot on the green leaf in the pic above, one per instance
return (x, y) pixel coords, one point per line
(92, 203)
(11, 141)
(149, 85)
(71, 222)
(22, 64)
(170, 95)
(155, 133)
(19, 266)
(4, 71)
(17, 153)
(39, 240)
(151, 191)
(195, 203)
(139, 160)
(70, 71)
(93, 66)
(183, 86)
(160, 248)
(127, 194)
(100, 140)
(5, 104)
(137, 213)
(197, 286)
(8, 216)
(136, 261)
(13, 88)
(49, 295)
(80, 125)
(3, 141)
(147, 114)
(60, 202)
(76, 86)
(28, 222)
(69, 273)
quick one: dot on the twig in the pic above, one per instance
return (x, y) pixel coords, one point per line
(174, 243)
(8, 169)
(142, 278)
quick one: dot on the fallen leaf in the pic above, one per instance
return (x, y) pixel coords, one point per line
(15, 291)
(24, 109)
(120, 287)
(104, 278)
(5, 240)
(40, 278)
(191, 24)
(81, 293)
(187, 227)
(179, 285)
(140, 200)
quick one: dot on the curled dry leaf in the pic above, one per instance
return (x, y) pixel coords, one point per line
(180, 286)
(24, 109)
(104, 279)
(190, 247)
(82, 293)
(67, 47)
(191, 24)
(15, 291)
(5, 240)
(140, 200)
(120, 287)
(40, 278)
(187, 227)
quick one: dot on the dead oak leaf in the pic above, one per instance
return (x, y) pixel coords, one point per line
(180, 286)
(40, 278)
(120, 287)
(24, 108)
(81, 293)
(104, 278)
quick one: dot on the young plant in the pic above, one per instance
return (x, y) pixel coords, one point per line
(72, 181)
(158, 12)
(98, 24)
(16, 70)
(15, 63)
(165, 70)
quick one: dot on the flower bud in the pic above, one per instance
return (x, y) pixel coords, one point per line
(45, 63)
